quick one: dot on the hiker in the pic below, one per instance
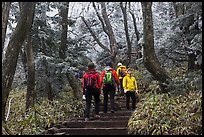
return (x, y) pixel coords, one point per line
(121, 73)
(130, 89)
(109, 80)
(91, 87)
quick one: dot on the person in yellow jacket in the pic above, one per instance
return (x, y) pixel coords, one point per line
(130, 89)
(121, 72)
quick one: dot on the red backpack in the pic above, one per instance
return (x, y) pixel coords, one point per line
(91, 79)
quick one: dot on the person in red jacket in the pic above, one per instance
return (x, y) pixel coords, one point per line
(109, 80)
(91, 87)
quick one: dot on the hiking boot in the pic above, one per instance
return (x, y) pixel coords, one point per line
(112, 111)
(104, 111)
(97, 116)
(86, 119)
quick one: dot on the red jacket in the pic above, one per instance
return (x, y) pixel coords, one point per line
(96, 75)
(114, 75)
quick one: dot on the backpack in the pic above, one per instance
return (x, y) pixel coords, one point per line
(122, 72)
(91, 80)
(108, 78)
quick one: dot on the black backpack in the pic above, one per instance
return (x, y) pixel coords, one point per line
(122, 71)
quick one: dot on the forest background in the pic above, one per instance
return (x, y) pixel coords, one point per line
(44, 44)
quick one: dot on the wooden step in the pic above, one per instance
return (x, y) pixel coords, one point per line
(91, 131)
(94, 124)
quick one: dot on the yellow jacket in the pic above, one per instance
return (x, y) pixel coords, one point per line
(129, 83)
(118, 69)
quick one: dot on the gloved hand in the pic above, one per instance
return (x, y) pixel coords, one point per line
(83, 97)
(137, 92)
(125, 91)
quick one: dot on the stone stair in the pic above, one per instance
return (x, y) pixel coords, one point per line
(108, 123)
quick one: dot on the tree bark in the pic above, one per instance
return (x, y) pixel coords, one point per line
(179, 8)
(150, 59)
(135, 25)
(24, 61)
(112, 39)
(129, 45)
(64, 23)
(48, 81)
(13, 49)
(30, 96)
(5, 15)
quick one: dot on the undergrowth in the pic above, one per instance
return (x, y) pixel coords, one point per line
(42, 115)
(165, 114)
(169, 113)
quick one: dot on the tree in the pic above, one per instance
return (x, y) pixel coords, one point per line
(150, 59)
(129, 44)
(107, 28)
(134, 23)
(5, 15)
(179, 8)
(64, 23)
(30, 96)
(13, 49)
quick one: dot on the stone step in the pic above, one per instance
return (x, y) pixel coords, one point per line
(116, 107)
(91, 131)
(112, 118)
(93, 124)
(116, 103)
(108, 124)
(117, 113)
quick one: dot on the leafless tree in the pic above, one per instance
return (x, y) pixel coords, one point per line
(10, 60)
(5, 15)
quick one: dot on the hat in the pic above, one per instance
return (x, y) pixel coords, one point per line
(129, 69)
(120, 64)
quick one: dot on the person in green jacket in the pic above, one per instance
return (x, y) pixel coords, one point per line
(130, 89)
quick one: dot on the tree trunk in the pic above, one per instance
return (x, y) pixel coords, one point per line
(24, 61)
(30, 96)
(5, 15)
(112, 39)
(74, 83)
(135, 25)
(48, 81)
(150, 59)
(64, 23)
(129, 45)
(10, 61)
(179, 8)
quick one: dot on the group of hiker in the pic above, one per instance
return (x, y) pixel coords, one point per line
(109, 80)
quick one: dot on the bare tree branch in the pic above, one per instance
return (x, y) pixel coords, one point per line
(94, 35)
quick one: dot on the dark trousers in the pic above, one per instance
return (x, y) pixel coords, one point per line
(121, 87)
(108, 90)
(88, 94)
(132, 95)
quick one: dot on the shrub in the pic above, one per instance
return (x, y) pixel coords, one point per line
(165, 114)
(43, 114)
